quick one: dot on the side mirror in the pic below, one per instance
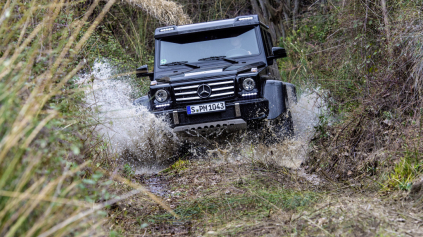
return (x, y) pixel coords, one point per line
(143, 72)
(278, 52)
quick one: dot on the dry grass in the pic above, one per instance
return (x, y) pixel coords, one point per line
(34, 201)
(42, 192)
(247, 199)
(208, 196)
(167, 12)
(411, 31)
(349, 213)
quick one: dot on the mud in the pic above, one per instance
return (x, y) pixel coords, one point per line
(155, 183)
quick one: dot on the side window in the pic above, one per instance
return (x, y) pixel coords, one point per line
(270, 43)
(265, 37)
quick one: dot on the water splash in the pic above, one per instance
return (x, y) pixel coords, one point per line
(290, 153)
(138, 137)
(305, 115)
(135, 135)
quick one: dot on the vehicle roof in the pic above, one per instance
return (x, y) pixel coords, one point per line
(207, 26)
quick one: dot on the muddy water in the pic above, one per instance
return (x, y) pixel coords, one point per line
(246, 146)
(137, 137)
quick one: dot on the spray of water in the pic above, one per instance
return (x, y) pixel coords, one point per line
(139, 138)
(288, 152)
(305, 114)
(135, 136)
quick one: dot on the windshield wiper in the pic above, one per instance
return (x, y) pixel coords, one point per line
(218, 58)
(181, 63)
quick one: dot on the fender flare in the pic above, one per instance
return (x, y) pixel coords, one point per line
(280, 95)
(275, 93)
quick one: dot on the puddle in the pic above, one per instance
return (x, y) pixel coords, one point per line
(155, 184)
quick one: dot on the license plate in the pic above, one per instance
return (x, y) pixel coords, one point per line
(206, 108)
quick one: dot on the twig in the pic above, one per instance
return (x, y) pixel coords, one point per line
(311, 222)
(86, 213)
(314, 212)
(325, 49)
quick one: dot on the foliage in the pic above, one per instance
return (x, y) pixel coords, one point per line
(129, 41)
(179, 165)
(124, 43)
(167, 12)
(409, 167)
(202, 11)
(363, 60)
(127, 170)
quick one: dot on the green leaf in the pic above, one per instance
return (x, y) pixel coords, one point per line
(103, 213)
(108, 182)
(75, 149)
(97, 176)
(89, 181)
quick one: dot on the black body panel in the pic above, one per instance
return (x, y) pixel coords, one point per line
(226, 78)
(205, 26)
(250, 110)
(275, 93)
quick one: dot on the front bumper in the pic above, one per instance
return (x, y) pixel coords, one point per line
(246, 110)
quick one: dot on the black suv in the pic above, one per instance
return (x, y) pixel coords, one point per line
(218, 74)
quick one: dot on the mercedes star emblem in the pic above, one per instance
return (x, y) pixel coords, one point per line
(204, 91)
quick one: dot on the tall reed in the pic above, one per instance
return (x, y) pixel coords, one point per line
(43, 193)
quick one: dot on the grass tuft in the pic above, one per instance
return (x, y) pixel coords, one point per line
(167, 12)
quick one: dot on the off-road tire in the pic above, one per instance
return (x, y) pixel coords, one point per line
(280, 128)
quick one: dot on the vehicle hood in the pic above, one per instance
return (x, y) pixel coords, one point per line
(214, 72)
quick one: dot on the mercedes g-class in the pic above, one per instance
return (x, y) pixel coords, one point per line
(218, 74)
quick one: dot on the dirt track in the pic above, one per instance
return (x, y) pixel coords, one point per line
(251, 199)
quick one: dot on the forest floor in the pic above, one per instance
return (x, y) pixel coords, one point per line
(252, 199)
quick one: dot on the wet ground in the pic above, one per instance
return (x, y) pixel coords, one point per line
(233, 185)
(155, 183)
(250, 199)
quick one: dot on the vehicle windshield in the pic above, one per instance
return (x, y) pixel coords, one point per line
(217, 44)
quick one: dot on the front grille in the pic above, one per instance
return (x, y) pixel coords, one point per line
(219, 89)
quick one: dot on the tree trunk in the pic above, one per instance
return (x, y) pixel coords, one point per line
(277, 14)
(386, 22)
(323, 6)
(283, 29)
(294, 13)
(271, 16)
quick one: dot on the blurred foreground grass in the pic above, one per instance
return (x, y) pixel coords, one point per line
(41, 192)
(46, 186)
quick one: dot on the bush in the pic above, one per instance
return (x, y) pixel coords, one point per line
(370, 74)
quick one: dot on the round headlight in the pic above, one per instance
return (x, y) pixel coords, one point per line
(161, 95)
(248, 84)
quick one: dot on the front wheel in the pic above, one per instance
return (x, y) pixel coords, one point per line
(280, 128)
(272, 131)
